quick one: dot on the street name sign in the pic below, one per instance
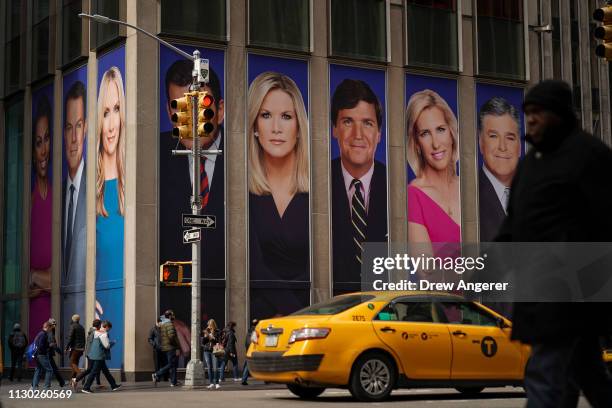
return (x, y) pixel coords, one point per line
(191, 235)
(199, 221)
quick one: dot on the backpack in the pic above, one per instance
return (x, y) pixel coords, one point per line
(31, 351)
(19, 340)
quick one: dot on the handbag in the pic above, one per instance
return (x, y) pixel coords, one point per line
(218, 350)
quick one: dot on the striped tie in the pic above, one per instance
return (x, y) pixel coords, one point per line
(204, 189)
(358, 219)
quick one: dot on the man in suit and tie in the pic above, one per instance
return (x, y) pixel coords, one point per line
(359, 186)
(74, 206)
(499, 139)
(175, 180)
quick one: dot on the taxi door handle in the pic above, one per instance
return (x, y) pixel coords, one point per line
(388, 329)
(459, 333)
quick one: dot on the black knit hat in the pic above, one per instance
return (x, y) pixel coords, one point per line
(552, 95)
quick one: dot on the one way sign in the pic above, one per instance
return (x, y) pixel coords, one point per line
(200, 221)
(191, 235)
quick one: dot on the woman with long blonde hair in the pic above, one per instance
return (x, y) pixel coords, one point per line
(277, 135)
(210, 337)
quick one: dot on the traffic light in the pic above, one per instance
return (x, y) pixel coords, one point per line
(171, 274)
(182, 117)
(604, 32)
(205, 114)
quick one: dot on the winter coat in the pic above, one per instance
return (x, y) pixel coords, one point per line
(12, 346)
(100, 347)
(229, 341)
(76, 337)
(89, 340)
(207, 342)
(155, 338)
(169, 337)
(42, 343)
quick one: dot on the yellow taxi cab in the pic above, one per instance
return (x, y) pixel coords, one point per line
(374, 342)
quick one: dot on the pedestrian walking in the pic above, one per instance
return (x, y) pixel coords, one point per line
(211, 337)
(54, 348)
(98, 353)
(562, 191)
(247, 343)
(231, 352)
(171, 347)
(95, 326)
(159, 357)
(75, 345)
(41, 356)
(17, 343)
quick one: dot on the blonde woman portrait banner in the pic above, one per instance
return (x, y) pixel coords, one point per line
(110, 139)
(279, 184)
(434, 206)
(358, 169)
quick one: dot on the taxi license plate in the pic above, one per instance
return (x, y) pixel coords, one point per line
(271, 340)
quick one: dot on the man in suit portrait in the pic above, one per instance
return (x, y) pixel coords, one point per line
(74, 205)
(499, 140)
(175, 179)
(359, 186)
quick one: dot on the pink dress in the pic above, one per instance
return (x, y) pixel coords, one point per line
(426, 212)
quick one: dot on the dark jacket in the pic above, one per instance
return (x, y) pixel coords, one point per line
(490, 209)
(53, 347)
(346, 269)
(229, 341)
(42, 343)
(208, 342)
(89, 340)
(169, 338)
(562, 192)
(76, 337)
(12, 347)
(155, 337)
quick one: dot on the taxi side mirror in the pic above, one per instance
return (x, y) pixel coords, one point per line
(501, 323)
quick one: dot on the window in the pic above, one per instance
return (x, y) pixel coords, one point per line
(431, 27)
(280, 24)
(575, 40)
(465, 313)
(41, 34)
(334, 306)
(194, 19)
(501, 45)
(556, 40)
(15, 43)
(102, 34)
(594, 74)
(71, 31)
(359, 29)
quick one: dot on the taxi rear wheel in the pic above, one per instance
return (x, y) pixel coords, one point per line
(470, 391)
(305, 392)
(373, 377)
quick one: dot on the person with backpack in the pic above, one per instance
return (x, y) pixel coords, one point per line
(75, 344)
(41, 356)
(95, 325)
(98, 353)
(17, 343)
(171, 347)
(231, 353)
(53, 348)
(159, 357)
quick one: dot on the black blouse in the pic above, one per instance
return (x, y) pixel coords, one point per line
(279, 246)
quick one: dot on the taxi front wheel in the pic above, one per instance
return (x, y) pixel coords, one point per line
(373, 377)
(305, 392)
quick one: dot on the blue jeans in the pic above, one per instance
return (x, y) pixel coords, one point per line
(172, 361)
(234, 361)
(245, 372)
(211, 364)
(42, 364)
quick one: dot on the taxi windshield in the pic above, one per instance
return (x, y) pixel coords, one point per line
(334, 306)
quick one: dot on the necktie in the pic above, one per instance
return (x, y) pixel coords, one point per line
(204, 188)
(506, 199)
(69, 227)
(358, 219)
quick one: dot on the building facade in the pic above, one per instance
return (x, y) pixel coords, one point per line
(91, 202)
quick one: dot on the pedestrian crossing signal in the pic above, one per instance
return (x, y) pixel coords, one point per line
(171, 274)
(604, 32)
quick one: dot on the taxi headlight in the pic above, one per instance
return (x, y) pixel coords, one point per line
(308, 333)
(254, 337)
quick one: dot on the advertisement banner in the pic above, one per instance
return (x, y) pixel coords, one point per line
(278, 140)
(74, 197)
(358, 169)
(110, 139)
(500, 138)
(432, 152)
(175, 190)
(41, 209)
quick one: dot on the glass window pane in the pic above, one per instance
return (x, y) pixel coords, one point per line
(71, 31)
(501, 49)
(13, 19)
(359, 29)
(194, 18)
(13, 65)
(280, 24)
(105, 32)
(575, 40)
(40, 49)
(556, 39)
(13, 203)
(41, 10)
(432, 33)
